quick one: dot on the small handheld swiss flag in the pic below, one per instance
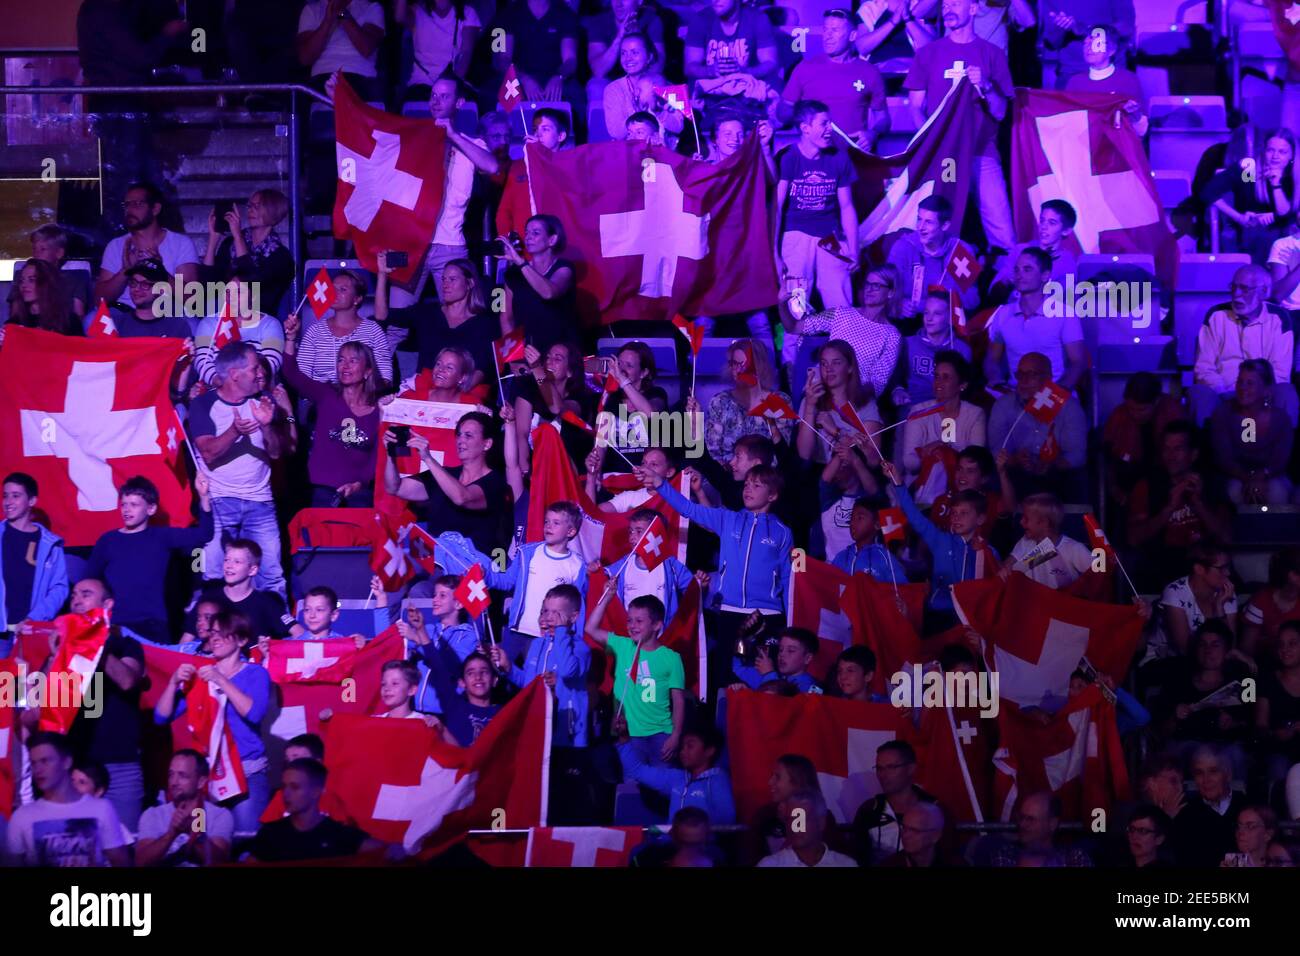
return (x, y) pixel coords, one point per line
(321, 294)
(693, 331)
(1048, 402)
(892, 523)
(963, 266)
(421, 545)
(747, 375)
(388, 557)
(102, 325)
(227, 328)
(852, 418)
(510, 347)
(511, 95)
(1097, 535)
(677, 98)
(650, 548)
(472, 592)
(775, 406)
(572, 418)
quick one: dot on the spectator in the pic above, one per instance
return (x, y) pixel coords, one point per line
(855, 669)
(62, 827)
(264, 610)
(805, 844)
(459, 320)
(1037, 820)
(833, 382)
(1252, 439)
(443, 35)
(306, 833)
(1278, 709)
(1056, 221)
(883, 43)
(936, 430)
(631, 578)
(145, 239)
(852, 89)
(145, 317)
(1024, 326)
(1147, 831)
(255, 252)
(657, 461)
(38, 300)
(552, 388)
(1284, 267)
(134, 559)
(50, 244)
(1206, 594)
(1205, 830)
(187, 830)
(1065, 35)
(921, 258)
(241, 304)
(728, 47)
(864, 555)
(1132, 434)
(1101, 46)
(1044, 554)
(605, 34)
(795, 651)
(920, 830)
(550, 131)
(877, 826)
(814, 199)
(690, 844)
(729, 135)
(921, 349)
(749, 369)
(869, 329)
(1272, 605)
(985, 68)
(978, 471)
(637, 398)
(318, 351)
(195, 639)
(1260, 207)
(644, 127)
(634, 92)
(1246, 329)
(247, 691)
(540, 293)
(398, 683)
(766, 833)
(33, 566)
(341, 463)
(992, 20)
(700, 783)
(466, 705)
(1256, 827)
(1042, 457)
(1210, 665)
(342, 36)
(235, 436)
(1161, 785)
(541, 42)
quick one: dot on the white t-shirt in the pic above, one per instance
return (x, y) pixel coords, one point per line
(46, 833)
(1071, 561)
(546, 571)
(1179, 594)
(1039, 333)
(436, 39)
(788, 858)
(339, 52)
(835, 525)
(176, 250)
(1286, 252)
(626, 501)
(245, 470)
(218, 823)
(455, 196)
(637, 581)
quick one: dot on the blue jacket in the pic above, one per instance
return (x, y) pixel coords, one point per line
(568, 655)
(750, 676)
(677, 579)
(953, 559)
(710, 791)
(514, 578)
(755, 552)
(463, 640)
(50, 584)
(874, 559)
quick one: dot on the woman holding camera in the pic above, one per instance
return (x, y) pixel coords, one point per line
(540, 291)
(256, 246)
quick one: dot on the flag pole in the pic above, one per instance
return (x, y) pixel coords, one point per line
(1012, 428)
(528, 170)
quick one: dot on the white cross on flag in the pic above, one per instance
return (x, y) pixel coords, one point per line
(83, 415)
(102, 324)
(388, 554)
(321, 293)
(402, 784)
(653, 546)
(81, 646)
(581, 846)
(306, 662)
(1048, 402)
(472, 592)
(1066, 146)
(676, 98)
(963, 266)
(387, 197)
(227, 330)
(510, 97)
(655, 233)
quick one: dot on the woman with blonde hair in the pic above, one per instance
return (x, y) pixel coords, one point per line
(753, 377)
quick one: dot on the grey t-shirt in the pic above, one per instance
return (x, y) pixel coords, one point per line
(217, 822)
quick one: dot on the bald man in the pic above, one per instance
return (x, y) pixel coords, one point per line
(1040, 457)
(1243, 328)
(921, 831)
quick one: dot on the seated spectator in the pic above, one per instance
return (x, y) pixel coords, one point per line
(264, 610)
(1272, 605)
(145, 316)
(919, 350)
(1252, 439)
(1056, 220)
(643, 127)
(1160, 785)
(255, 252)
(731, 53)
(1210, 664)
(700, 783)
(145, 239)
(634, 92)
(689, 843)
(855, 669)
(459, 320)
(50, 244)
(852, 89)
(1101, 47)
(187, 830)
(805, 844)
(1284, 268)
(1205, 830)
(1175, 508)
(342, 36)
(1132, 434)
(877, 826)
(978, 471)
(1043, 457)
(1037, 820)
(835, 381)
(937, 429)
(1247, 328)
(1261, 208)
(38, 300)
(91, 779)
(62, 827)
(1022, 326)
(33, 564)
(540, 292)
(1065, 35)
(1256, 827)
(1281, 854)
(550, 131)
(865, 555)
(752, 377)
(1044, 554)
(1278, 709)
(318, 351)
(1206, 594)
(256, 328)
(795, 651)
(341, 463)
(1147, 831)
(791, 774)
(921, 258)
(305, 833)
(443, 34)
(921, 829)
(541, 42)
(306, 747)
(606, 31)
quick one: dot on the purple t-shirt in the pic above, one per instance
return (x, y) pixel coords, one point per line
(339, 454)
(945, 55)
(850, 89)
(813, 206)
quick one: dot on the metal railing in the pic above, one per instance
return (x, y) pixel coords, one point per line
(295, 147)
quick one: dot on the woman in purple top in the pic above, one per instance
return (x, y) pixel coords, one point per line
(341, 463)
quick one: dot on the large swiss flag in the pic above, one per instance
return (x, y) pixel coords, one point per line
(390, 178)
(9, 673)
(1286, 27)
(655, 233)
(582, 846)
(81, 416)
(355, 693)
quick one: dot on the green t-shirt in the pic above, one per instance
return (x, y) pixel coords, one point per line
(648, 706)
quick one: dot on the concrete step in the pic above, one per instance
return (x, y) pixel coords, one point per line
(264, 165)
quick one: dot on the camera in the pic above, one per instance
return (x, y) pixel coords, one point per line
(401, 437)
(750, 638)
(398, 260)
(515, 240)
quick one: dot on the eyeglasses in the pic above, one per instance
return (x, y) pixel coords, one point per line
(139, 282)
(872, 284)
(732, 363)
(128, 203)
(1133, 830)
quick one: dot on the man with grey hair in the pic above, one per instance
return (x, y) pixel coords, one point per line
(232, 427)
(1206, 828)
(1243, 328)
(804, 815)
(921, 830)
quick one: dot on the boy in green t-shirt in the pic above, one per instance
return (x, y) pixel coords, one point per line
(655, 707)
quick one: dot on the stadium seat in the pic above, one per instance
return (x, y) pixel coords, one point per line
(596, 131)
(1258, 68)
(712, 358)
(1183, 128)
(902, 126)
(1167, 42)
(1202, 282)
(1154, 15)
(1153, 81)
(1173, 185)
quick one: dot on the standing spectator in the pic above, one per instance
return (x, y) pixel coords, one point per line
(956, 424)
(1262, 206)
(1101, 47)
(920, 351)
(1056, 221)
(256, 328)
(541, 41)
(700, 783)
(1246, 329)
(1066, 30)
(1043, 457)
(255, 251)
(187, 830)
(865, 555)
(318, 353)
(795, 651)
(342, 36)
(33, 568)
(145, 238)
(883, 42)
(38, 300)
(877, 826)
(993, 17)
(852, 89)
(237, 441)
(814, 200)
(1252, 439)
(985, 68)
(1023, 326)
(541, 295)
(833, 382)
(730, 40)
(264, 610)
(552, 387)
(305, 833)
(644, 127)
(634, 91)
(62, 827)
(550, 131)
(921, 258)
(805, 844)
(443, 35)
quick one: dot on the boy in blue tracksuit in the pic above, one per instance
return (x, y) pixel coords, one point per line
(754, 560)
(562, 658)
(33, 570)
(449, 628)
(668, 581)
(697, 784)
(865, 555)
(956, 555)
(538, 567)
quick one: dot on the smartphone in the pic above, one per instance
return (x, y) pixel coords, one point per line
(400, 447)
(219, 211)
(398, 260)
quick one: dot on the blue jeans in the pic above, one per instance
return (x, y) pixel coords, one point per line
(250, 807)
(126, 792)
(650, 749)
(255, 520)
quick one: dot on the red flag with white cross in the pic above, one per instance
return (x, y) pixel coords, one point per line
(676, 97)
(321, 294)
(511, 95)
(228, 325)
(422, 547)
(102, 324)
(308, 662)
(388, 555)
(694, 332)
(1286, 27)
(774, 406)
(81, 648)
(892, 524)
(510, 347)
(963, 266)
(582, 846)
(1047, 402)
(1097, 535)
(472, 592)
(653, 546)
(301, 701)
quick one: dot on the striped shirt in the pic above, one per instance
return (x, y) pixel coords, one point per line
(264, 331)
(319, 350)
(876, 344)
